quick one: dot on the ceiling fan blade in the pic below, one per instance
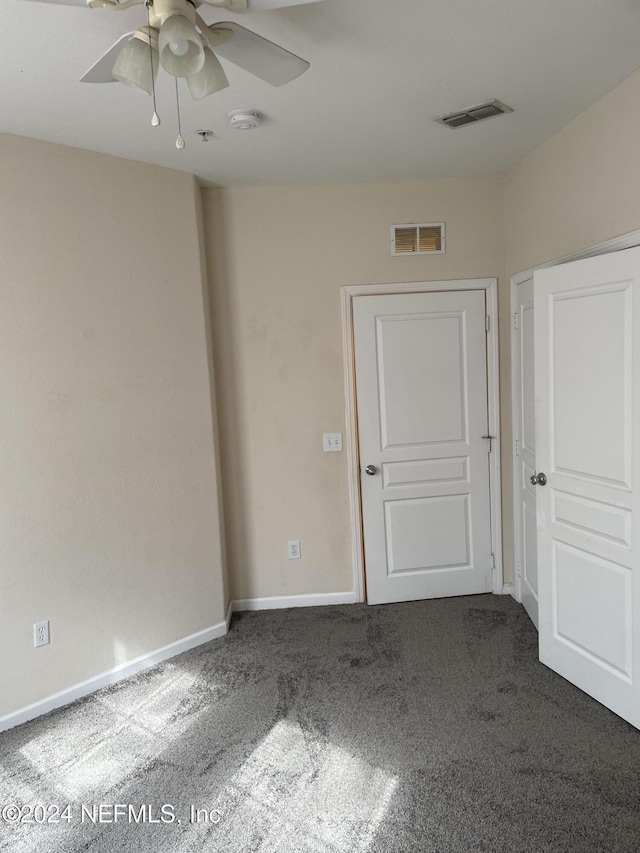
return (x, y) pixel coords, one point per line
(255, 5)
(258, 55)
(61, 2)
(102, 71)
(96, 4)
(93, 4)
(231, 5)
(263, 5)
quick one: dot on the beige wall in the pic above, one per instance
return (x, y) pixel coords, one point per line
(107, 471)
(580, 188)
(277, 259)
(577, 190)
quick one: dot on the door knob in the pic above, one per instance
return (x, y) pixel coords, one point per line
(538, 479)
(371, 470)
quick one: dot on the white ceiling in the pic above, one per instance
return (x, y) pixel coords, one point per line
(380, 71)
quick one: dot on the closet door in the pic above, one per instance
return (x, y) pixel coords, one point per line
(587, 381)
(525, 450)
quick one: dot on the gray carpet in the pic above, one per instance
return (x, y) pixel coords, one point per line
(428, 726)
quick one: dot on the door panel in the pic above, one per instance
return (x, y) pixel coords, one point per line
(426, 534)
(527, 398)
(591, 340)
(530, 560)
(404, 345)
(600, 627)
(425, 471)
(526, 455)
(422, 411)
(587, 322)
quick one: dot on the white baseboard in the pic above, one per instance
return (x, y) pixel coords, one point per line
(508, 589)
(111, 676)
(280, 602)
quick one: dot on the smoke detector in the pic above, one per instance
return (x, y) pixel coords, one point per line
(245, 119)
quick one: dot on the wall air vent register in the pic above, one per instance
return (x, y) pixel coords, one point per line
(426, 238)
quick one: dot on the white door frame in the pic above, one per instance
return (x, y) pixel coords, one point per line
(490, 285)
(616, 244)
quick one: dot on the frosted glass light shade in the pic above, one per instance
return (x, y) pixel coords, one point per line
(180, 47)
(134, 66)
(211, 78)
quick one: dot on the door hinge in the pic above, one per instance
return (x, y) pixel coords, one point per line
(514, 321)
(487, 323)
(490, 440)
(517, 447)
(493, 562)
(518, 570)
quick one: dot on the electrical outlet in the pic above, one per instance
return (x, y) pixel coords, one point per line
(332, 442)
(294, 549)
(41, 634)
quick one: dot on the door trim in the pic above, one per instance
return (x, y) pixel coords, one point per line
(347, 292)
(615, 244)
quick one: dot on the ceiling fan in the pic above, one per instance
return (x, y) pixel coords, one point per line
(177, 38)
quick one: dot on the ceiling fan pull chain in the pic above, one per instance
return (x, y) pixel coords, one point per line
(180, 143)
(155, 119)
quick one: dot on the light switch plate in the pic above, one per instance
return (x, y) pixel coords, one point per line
(332, 442)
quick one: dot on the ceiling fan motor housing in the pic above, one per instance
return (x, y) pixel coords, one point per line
(163, 9)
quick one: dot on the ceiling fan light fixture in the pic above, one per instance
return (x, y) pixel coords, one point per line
(209, 80)
(180, 46)
(136, 66)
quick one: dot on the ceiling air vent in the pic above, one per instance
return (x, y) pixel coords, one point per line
(424, 239)
(475, 114)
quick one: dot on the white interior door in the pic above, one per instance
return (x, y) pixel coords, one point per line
(421, 380)
(525, 451)
(587, 351)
